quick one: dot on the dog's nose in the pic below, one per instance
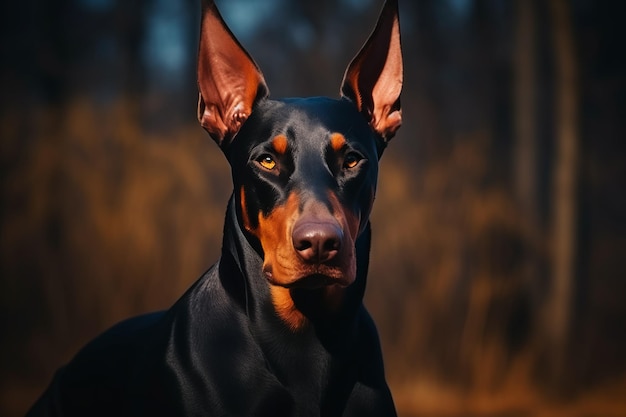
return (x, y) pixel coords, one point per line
(317, 242)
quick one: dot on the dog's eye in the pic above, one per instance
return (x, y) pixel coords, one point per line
(267, 162)
(351, 160)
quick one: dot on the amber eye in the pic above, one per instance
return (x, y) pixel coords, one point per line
(351, 160)
(267, 162)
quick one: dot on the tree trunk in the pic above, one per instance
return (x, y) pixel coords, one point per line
(564, 183)
(525, 151)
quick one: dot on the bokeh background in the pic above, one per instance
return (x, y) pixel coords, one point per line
(497, 268)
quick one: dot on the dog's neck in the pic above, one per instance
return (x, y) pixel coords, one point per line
(242, 277)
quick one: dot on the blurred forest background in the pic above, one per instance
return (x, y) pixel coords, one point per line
(497, 278)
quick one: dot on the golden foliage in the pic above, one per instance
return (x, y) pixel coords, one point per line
(102, 220)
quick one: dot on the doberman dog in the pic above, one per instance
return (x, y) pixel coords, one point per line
(277, 326)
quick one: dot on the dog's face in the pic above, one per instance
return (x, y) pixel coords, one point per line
(304, 170)
(305, 175)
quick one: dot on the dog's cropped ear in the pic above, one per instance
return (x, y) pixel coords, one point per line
(373, 80)
(228, 78)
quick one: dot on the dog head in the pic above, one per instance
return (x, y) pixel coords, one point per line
(304, 169)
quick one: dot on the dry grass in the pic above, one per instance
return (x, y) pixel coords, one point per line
(429, 399)
(101, 221)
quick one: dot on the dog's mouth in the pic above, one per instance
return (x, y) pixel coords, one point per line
(316, 281)
(311, 281)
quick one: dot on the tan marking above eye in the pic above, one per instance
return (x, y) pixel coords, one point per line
(337, 141)
(280, 144)
(267, 162)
